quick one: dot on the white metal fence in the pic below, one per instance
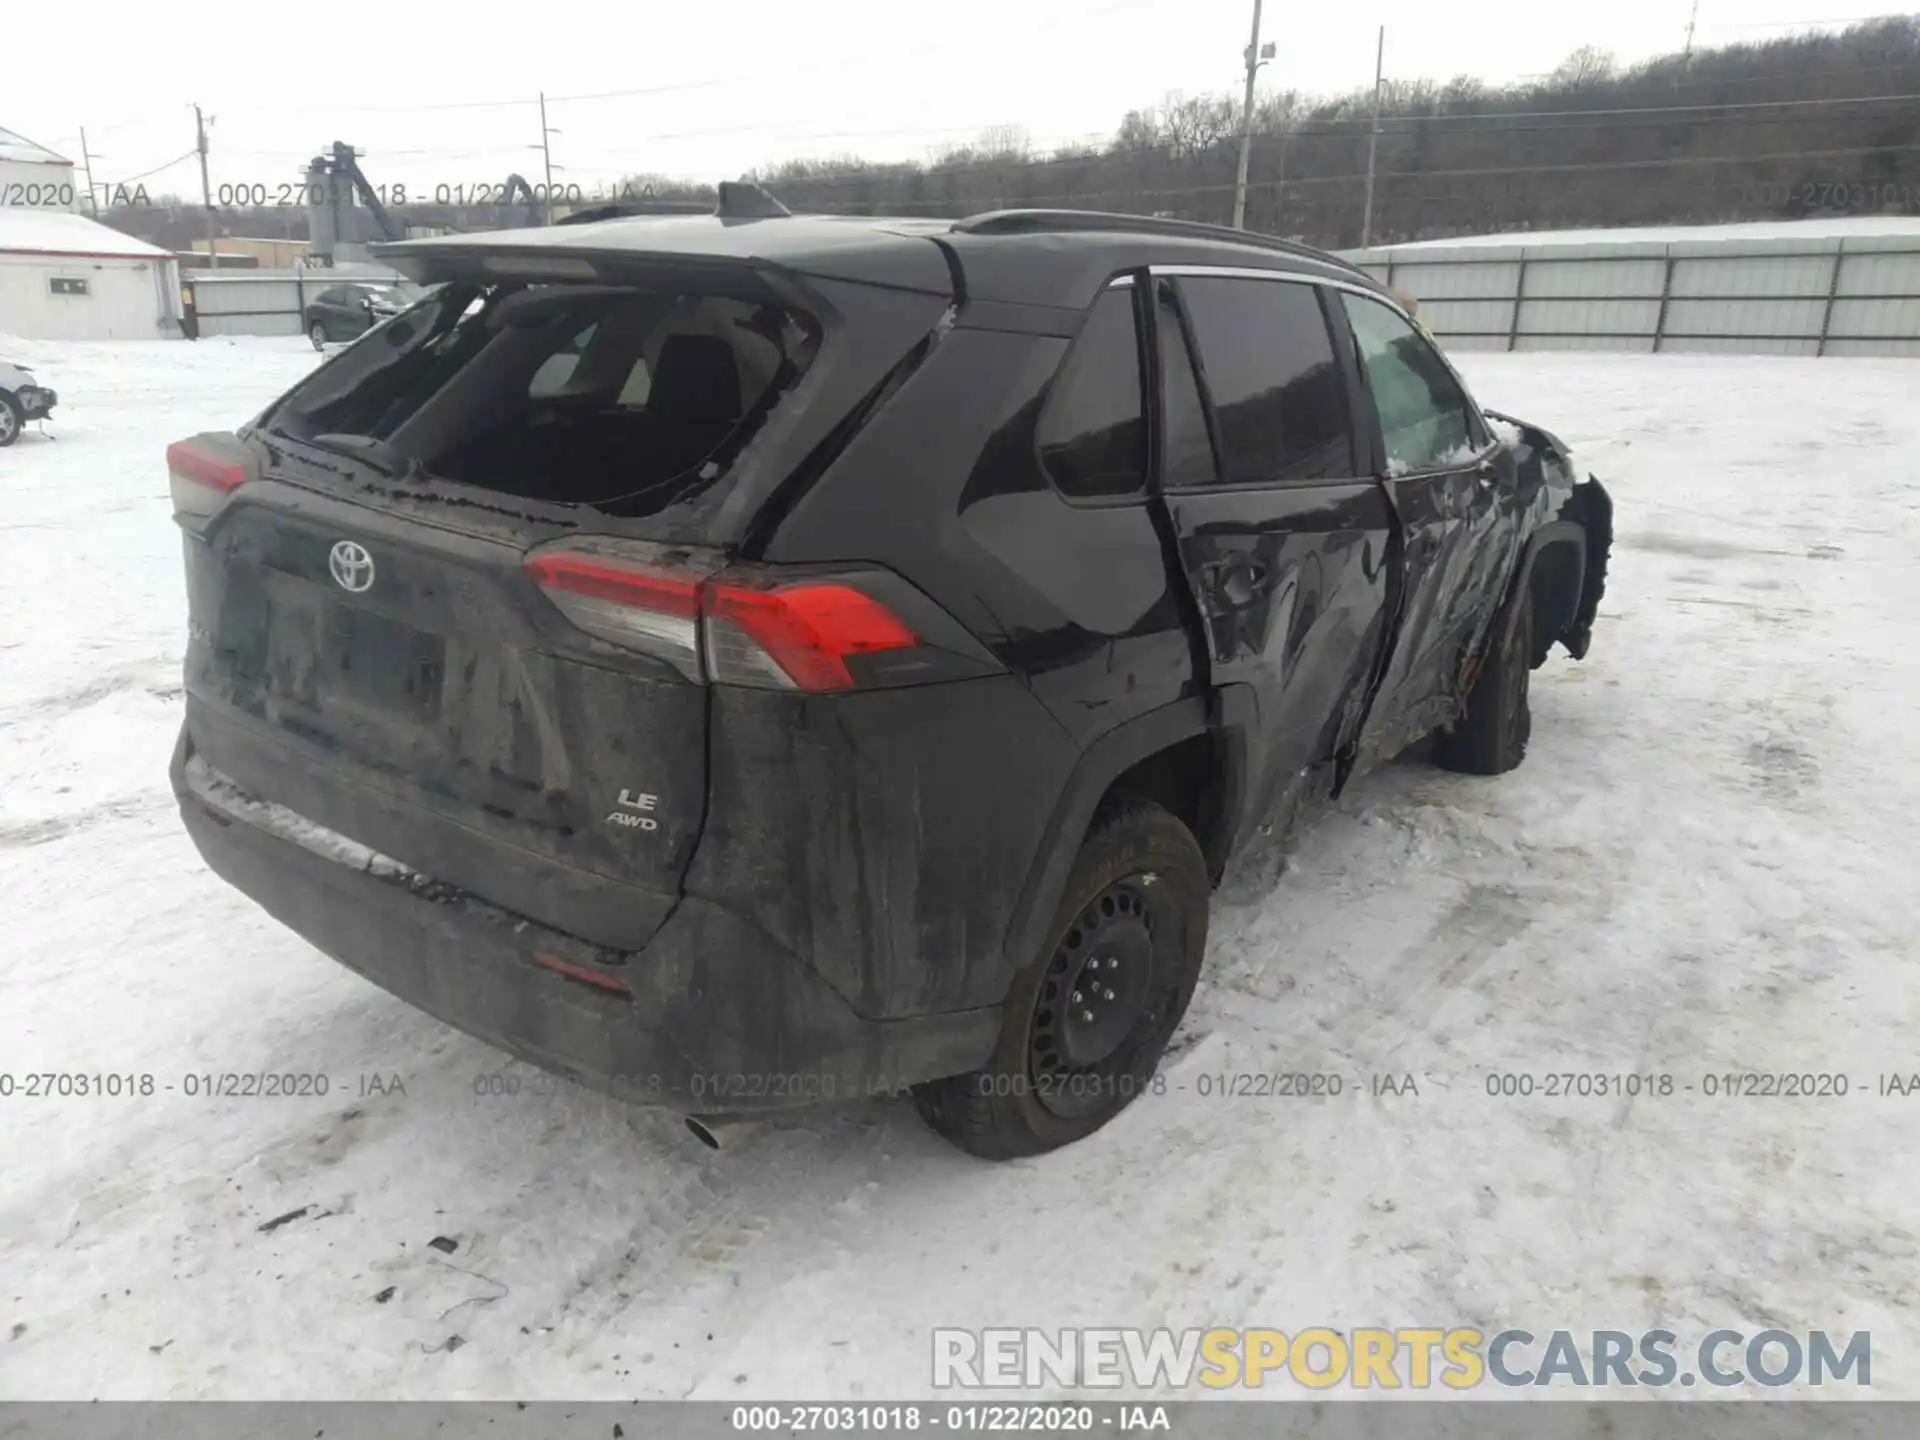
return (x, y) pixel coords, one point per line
(1814, 295)
(268, 302)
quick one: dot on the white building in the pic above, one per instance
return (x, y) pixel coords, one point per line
(65, 277)
(33, 176)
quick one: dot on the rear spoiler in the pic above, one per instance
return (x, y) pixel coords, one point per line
(739, 200)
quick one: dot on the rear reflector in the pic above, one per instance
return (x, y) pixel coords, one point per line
(742, 627)
(201, 477)
(585, 975)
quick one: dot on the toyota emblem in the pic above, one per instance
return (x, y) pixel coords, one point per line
(351, 565)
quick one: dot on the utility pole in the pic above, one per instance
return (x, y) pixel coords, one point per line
(1373, 137)
(206, 187)
(86, 163)
(546, 153)
(1686, 56)
(1254, 56)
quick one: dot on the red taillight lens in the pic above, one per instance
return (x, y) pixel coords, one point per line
(736, 629)
(201, 477)
(798, 636)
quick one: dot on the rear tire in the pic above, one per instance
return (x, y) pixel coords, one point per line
(10, 421)
(1490, 737)
(1123, 951)
(317, 333)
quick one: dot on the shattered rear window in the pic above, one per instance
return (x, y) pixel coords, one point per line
(610, 396)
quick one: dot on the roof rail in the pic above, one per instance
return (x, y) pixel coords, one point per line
(1026, 222)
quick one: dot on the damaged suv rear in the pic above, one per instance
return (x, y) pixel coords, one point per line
(744, 662)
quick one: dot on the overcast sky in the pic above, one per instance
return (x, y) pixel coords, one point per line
(725, 86)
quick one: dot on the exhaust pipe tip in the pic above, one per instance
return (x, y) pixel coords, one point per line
(718, 1132)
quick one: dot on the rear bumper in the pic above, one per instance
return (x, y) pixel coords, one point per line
(718, 1018)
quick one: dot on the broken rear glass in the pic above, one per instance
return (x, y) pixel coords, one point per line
(620, 398)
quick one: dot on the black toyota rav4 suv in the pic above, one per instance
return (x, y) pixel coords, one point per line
(747, 660)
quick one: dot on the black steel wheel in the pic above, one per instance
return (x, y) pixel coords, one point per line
(1490, 737)
(1098, 984)
(1086, 1022)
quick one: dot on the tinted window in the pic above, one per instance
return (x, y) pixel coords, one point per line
(1426, 419)
(1187, 457)
(1279, 400)
(1093, 433)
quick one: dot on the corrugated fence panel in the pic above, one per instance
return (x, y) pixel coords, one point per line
(1472, 279)
(236, 296)
(1755, 317)
(1874, 347)
(1880, 274)
(1882, 319)
(251, 304)
(1588, 317)
(1576, 279)
(1765, 295)
(1467, 317)
(1757, 275)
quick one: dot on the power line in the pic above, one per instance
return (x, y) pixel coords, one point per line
(145, 174)
(1354, 130)
(1336, 127)
(1478, 171)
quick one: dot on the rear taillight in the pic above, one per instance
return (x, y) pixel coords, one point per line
(201, 474)
(642, 607)
(742, 626)
(796, 636)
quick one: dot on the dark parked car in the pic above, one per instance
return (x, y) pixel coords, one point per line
(346, 312)
(743, 663)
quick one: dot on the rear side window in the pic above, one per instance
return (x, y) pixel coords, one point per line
(1093, 431)
(1187, 458)
(1279, 399)
(1426, 420)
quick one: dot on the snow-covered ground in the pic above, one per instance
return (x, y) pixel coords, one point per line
(1706, 865)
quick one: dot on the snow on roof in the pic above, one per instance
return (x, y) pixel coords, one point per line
(1820, 228)
(59, 232)
(18, 147)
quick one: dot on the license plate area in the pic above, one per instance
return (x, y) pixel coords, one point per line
(379, 662)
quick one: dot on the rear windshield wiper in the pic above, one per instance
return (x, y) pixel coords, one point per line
(375, 452)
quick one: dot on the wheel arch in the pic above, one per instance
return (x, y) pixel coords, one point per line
(1551, 580)
(1188, 757)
